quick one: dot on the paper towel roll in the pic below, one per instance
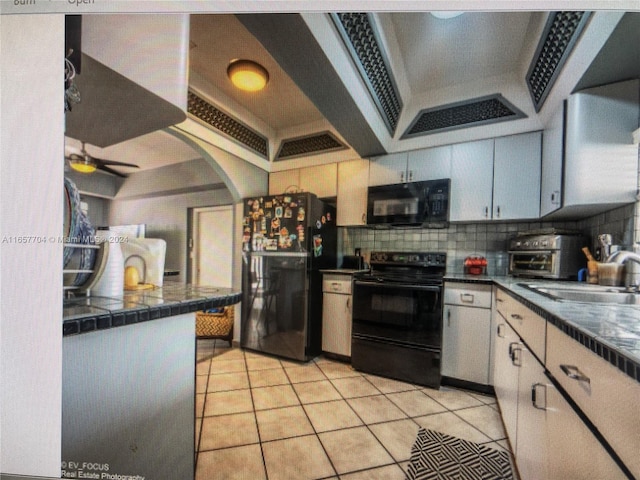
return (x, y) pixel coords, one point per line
(111, 283)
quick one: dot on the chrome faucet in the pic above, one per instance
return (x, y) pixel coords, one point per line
(623, 256)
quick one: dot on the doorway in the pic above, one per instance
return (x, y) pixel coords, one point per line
(211, 246)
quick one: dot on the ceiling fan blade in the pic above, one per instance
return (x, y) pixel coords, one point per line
(104, 168)
(113, 162)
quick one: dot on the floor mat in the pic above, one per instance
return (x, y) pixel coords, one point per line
(435, 455)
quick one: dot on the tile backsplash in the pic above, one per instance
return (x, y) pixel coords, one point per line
(486, 239)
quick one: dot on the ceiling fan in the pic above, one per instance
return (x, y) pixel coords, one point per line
(85, 163)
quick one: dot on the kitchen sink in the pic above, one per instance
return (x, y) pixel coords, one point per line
(587, 293)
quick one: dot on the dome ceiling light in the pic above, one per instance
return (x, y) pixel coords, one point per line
(247, 75)
(444, 15)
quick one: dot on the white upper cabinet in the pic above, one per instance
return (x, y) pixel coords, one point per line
(388, 169)
(598, 158)
(516, 178)
(414, 166)
(496, 179)
(281, 182)
(320, 179)
(471, 181)
(552, 159)
(429, 163)
(353, 179)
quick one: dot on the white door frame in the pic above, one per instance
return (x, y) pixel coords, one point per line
(194, 235)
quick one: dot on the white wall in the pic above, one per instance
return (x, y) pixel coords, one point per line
(166, 217)
(31, 204)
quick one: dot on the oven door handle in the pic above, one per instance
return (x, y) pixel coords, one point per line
(424, 288)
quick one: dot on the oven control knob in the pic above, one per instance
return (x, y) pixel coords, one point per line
(525, 244)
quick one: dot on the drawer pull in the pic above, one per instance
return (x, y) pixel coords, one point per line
(516, 316)
(515, 347)
(466, 297)
(574, 373)
(535, 397)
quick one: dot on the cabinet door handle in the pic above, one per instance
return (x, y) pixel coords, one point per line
(410, 175)
(516, 316)
(466, 297)
(535, 397)
(448, 318)
(555, 198)
(486, 212)
(574, 373)
(349, 304)
(511, 347)
(498, 211)
(364, 218)
(401, 177)
(515, 358)
(499, 331)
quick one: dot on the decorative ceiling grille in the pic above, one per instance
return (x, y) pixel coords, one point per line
(211, 115)
(309, 145)
(469, 113)
(361, 37)
(558, 39)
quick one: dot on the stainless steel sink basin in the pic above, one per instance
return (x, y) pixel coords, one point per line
(587, 293)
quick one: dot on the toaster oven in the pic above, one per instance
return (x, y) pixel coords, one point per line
(550, 256)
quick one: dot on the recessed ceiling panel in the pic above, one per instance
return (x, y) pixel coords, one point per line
(227, 125)
(359, 34)
(468, 113)
(309, 145)
(440, 53)
(558, 39)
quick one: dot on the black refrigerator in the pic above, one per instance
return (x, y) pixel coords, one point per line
(287, 240)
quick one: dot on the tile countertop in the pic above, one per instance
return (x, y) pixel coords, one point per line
(610, 331)
(87, 314)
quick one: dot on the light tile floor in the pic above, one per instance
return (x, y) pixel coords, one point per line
(260, 417)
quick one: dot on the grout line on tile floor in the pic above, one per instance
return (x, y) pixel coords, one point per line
(319, 362)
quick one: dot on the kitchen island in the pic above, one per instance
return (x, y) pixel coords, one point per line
(128, 382)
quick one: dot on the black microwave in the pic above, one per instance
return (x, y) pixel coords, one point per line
(415, 204)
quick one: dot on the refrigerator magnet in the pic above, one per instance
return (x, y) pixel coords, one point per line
(278, 211)
(301, 214)
(288, 213)
(318, 224)
(317, 245)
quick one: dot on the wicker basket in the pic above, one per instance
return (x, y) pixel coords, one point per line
(216, 325)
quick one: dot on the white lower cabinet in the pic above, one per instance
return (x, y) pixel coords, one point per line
(505, 378)
(573, 452)
(549, 439)
(466, 332)
(531, 438)
(336, 314)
